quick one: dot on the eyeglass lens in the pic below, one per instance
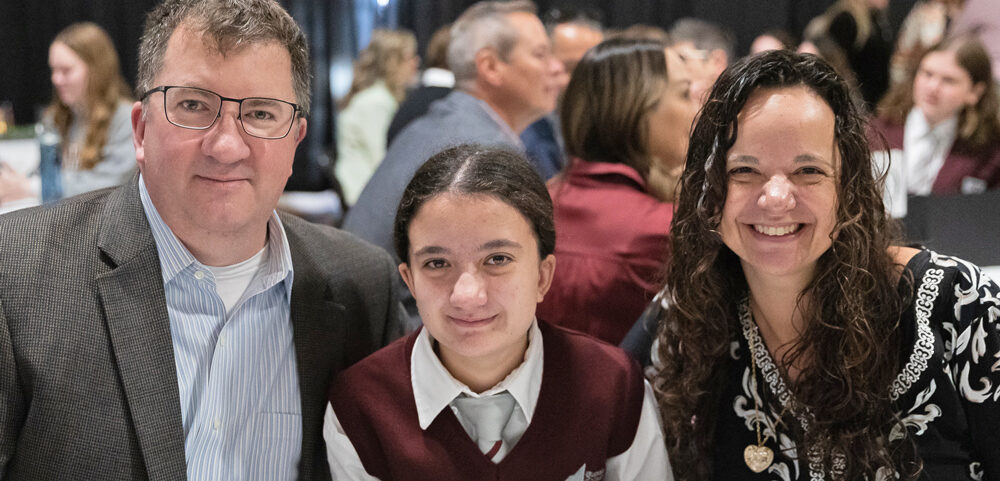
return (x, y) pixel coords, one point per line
(197, 109)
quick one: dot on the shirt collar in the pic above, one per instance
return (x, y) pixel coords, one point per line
(437, 77)
(585, 168)
(434, 388)
(175, 257)
(917, 127)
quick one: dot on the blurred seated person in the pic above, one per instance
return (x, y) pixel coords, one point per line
(862, 31)
(91, 110)
(925, 26)
(821, 45)
(941, 126)
(436, 81)
(628, 111)
(772, 39)
(706, 48)
(572, 32)
(485, 389)
(382, 72)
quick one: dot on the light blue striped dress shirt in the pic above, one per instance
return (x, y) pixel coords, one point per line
(236, 374)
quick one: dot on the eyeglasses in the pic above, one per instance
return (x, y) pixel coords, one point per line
(198, 109)
(688, 54)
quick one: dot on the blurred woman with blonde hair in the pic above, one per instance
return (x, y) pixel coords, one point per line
(382, 72)
(91, 109)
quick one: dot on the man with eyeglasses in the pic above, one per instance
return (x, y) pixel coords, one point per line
(177, 326)
(706, 48)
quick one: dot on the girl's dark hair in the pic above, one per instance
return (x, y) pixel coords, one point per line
(474, 169)
(606, 106)
(851, 337)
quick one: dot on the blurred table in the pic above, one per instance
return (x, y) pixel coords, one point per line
(965, 226)
(23, 156)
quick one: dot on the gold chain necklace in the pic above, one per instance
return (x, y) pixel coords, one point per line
(757, 456)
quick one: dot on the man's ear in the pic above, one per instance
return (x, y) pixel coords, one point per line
(139, 132)
(489, 67)
(300, 131)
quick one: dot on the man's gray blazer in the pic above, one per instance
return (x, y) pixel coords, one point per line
(88, 386)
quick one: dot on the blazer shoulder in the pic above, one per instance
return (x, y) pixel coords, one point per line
(323, 243)
(48, 225)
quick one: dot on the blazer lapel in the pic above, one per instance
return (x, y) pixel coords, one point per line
(139, 328)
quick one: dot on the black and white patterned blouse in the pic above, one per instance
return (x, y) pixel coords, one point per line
(946, 394)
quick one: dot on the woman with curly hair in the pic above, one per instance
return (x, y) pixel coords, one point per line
(382, 72)
(91, 109)
(800, 342)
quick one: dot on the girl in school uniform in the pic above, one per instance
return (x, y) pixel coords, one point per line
(485, 390)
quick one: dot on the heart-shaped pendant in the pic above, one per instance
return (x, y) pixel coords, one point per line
(758, 458)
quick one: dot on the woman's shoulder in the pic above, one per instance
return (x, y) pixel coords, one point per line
(903, 254)
(952, 289)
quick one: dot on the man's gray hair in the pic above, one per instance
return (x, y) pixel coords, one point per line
(230, 25)
(705, 36)
(483, 25)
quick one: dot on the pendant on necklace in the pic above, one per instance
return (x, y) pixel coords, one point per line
(758, 458)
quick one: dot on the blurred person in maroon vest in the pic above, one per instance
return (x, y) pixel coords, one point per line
(485, 390)
(941, 126)
(628, 111)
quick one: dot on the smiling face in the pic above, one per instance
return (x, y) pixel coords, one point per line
(475, 272)
(782, 192)
(942, 88)
(219, 181)
(69, 75)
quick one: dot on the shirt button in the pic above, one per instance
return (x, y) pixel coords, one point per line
(222, 339)
(216, 424)
(199, 275)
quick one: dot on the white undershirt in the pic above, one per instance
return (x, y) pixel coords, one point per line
(232, 281)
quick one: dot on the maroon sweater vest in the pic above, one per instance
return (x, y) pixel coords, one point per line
(587, 411)
(961, 161)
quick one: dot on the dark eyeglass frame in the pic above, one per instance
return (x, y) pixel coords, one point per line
(239, 102)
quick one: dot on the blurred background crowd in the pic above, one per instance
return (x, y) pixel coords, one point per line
(926, 72)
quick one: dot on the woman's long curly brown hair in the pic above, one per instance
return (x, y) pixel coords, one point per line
(851, 337)
(105, 89)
